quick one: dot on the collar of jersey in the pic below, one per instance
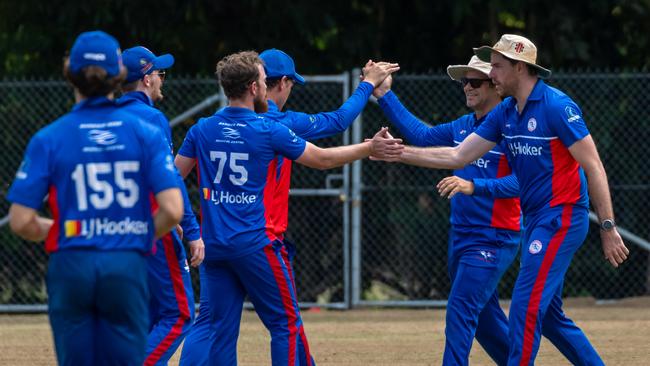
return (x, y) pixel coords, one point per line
(272, 106)
(538, 90)
(138, 95)
(93, 102)
(238, 111)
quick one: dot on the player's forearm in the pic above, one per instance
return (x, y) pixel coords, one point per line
(170, 211)
(337, 156)
(339, 120)
(432, 157)
(27, 224)
(189, 224)
(599, 191)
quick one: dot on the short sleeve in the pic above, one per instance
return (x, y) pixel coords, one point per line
(286, 142)
(490, 129)
(188, 147)
(161, 172)
(33, 176)
(565, 120)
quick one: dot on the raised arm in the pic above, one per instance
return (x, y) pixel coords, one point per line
(325, 124)
(416, 131)
(585, 153)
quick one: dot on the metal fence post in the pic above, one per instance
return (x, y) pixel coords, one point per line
(357, 129)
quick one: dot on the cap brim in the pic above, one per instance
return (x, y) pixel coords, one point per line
(163, 62)
(483, 53)
(299, 79)
(456, 72)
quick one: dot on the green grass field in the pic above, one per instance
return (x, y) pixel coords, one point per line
(620, 332)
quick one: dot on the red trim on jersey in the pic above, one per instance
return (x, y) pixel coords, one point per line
(506, 212)
(287, 301)
(52, 239)
(198, 184)
(566, 175)
(181, 299)
(281, 198)
(301, 330)
(538, 288)
(269, 204)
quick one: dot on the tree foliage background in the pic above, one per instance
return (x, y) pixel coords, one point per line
(328, 37)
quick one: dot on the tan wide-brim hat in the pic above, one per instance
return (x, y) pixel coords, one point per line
(514, 47)
(456, 72)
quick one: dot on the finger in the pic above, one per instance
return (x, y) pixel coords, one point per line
(612, 262)
(444, 191)
(453, 192)
(625, 250)
(367, 139)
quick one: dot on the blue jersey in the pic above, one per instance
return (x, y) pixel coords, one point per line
(141, 105)
(308, 127)
(538, 140)
(99, 165)
(494, 202)
(235, 150)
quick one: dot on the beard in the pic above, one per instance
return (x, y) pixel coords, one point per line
(260, 105)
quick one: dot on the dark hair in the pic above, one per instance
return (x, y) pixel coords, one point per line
(532, 71)
(272, 82)
(93, 81)
(237, 72)
(129, 87)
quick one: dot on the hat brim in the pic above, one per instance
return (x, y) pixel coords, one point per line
(456, 72)
(299, 79)
(484, 52)
(163, 62)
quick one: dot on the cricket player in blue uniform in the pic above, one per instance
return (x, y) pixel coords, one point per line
(98, 165)
(235, 151)
(281, 76)
(170, 285)
(553, 156)
(485, 217)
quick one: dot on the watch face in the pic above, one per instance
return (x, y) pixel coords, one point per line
(607, 224)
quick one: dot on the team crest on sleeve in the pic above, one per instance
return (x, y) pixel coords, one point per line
(22, 169)
(535, 247)
(532, 124)
(571, 113)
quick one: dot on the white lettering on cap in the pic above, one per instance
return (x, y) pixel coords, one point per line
(95, 56)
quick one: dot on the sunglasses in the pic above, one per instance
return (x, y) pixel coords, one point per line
(161, 74)
(474, 83)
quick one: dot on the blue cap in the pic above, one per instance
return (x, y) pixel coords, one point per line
(139, 61)
(95, 48)
(278, 64)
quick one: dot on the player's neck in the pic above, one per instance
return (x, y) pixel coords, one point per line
(526, 87)
(276, 98)
(242, 103)
(78, 97)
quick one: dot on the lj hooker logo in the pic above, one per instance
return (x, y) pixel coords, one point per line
(96, 227)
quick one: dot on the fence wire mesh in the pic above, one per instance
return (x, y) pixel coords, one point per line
(404, 222)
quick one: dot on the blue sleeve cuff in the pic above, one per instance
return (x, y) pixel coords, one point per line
(480, 186)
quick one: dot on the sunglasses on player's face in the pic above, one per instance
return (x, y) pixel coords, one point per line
(161, 74)
(474, 83)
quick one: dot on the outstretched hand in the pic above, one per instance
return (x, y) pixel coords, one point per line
(376, 72)
(385, 147)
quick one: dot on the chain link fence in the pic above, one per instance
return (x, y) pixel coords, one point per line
(379, 238)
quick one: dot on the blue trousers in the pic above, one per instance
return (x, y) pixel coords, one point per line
(478, 257)
(551, 240)
(266, 276)
(98, 306)
(171, 307)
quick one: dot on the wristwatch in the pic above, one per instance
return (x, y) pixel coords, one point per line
(607, 225)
